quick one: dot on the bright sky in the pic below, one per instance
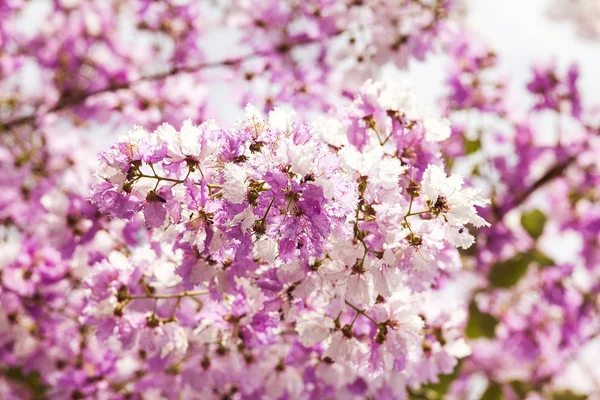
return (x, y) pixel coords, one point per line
(522, 34)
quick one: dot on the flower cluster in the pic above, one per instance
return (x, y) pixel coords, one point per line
(471, 81)
(315, 46)
(531, 295)
(51, 237)
(555, 93)
(312, 263)
(102, 58)
(131, 63)
(333, 253)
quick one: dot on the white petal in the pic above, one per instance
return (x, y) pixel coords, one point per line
(437, 129)
(234, 186)
(313, 328)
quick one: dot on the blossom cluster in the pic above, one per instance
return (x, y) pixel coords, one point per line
(315, 46)
(331, 252)
(125, 63)
(313, 263)
(531, 295)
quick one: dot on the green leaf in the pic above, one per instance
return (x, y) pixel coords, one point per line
(32, 381)
(480, 324)
(567, 395)
(522, 388)
(472, 146)
(533, 222)
(493, 392)
(574, 197)
(506, 273)
(542, 259)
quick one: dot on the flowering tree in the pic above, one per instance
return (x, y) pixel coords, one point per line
(336, 241)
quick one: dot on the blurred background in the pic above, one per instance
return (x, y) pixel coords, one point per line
(522, 33)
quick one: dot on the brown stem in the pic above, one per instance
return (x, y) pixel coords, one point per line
(169, 296)
(555, 172)
(68, 101)
(361, 312)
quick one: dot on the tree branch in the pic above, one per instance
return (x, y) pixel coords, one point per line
(69, 101)
(555, 172)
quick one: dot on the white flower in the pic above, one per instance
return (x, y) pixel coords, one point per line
(255, 298)
(343, 253)
(449, 198)
(167, 340)
(175, 341)
(436, 183)
(306, 287)
(253, 115)
(390, 94)
(302, 158)
(404, 332)
(170, 136)
(287, 381)
(407, 318)
(25, 343)
(422, 255)
(291, 271)
(135, 136)
(459, 237)
(164, 273)
(333, 269)
(210, 132)
(56, 202)
(390, 349)
(93, 23)
(206, 332)
(343, 348)
(111, 174)
(246, 218)
(196, 237)
(266, 249)
(458, 348)
(388, 173)
(386, 278)
(390, 218)
(352, 159)
(282, 119)
(361, 290)
(313, 328)
(382, 171)
(120, 262)
(126, 365)
(436, 129)
(234, 186)
(191, 139)
(330, 130)
(336, 374)
(162, 270)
